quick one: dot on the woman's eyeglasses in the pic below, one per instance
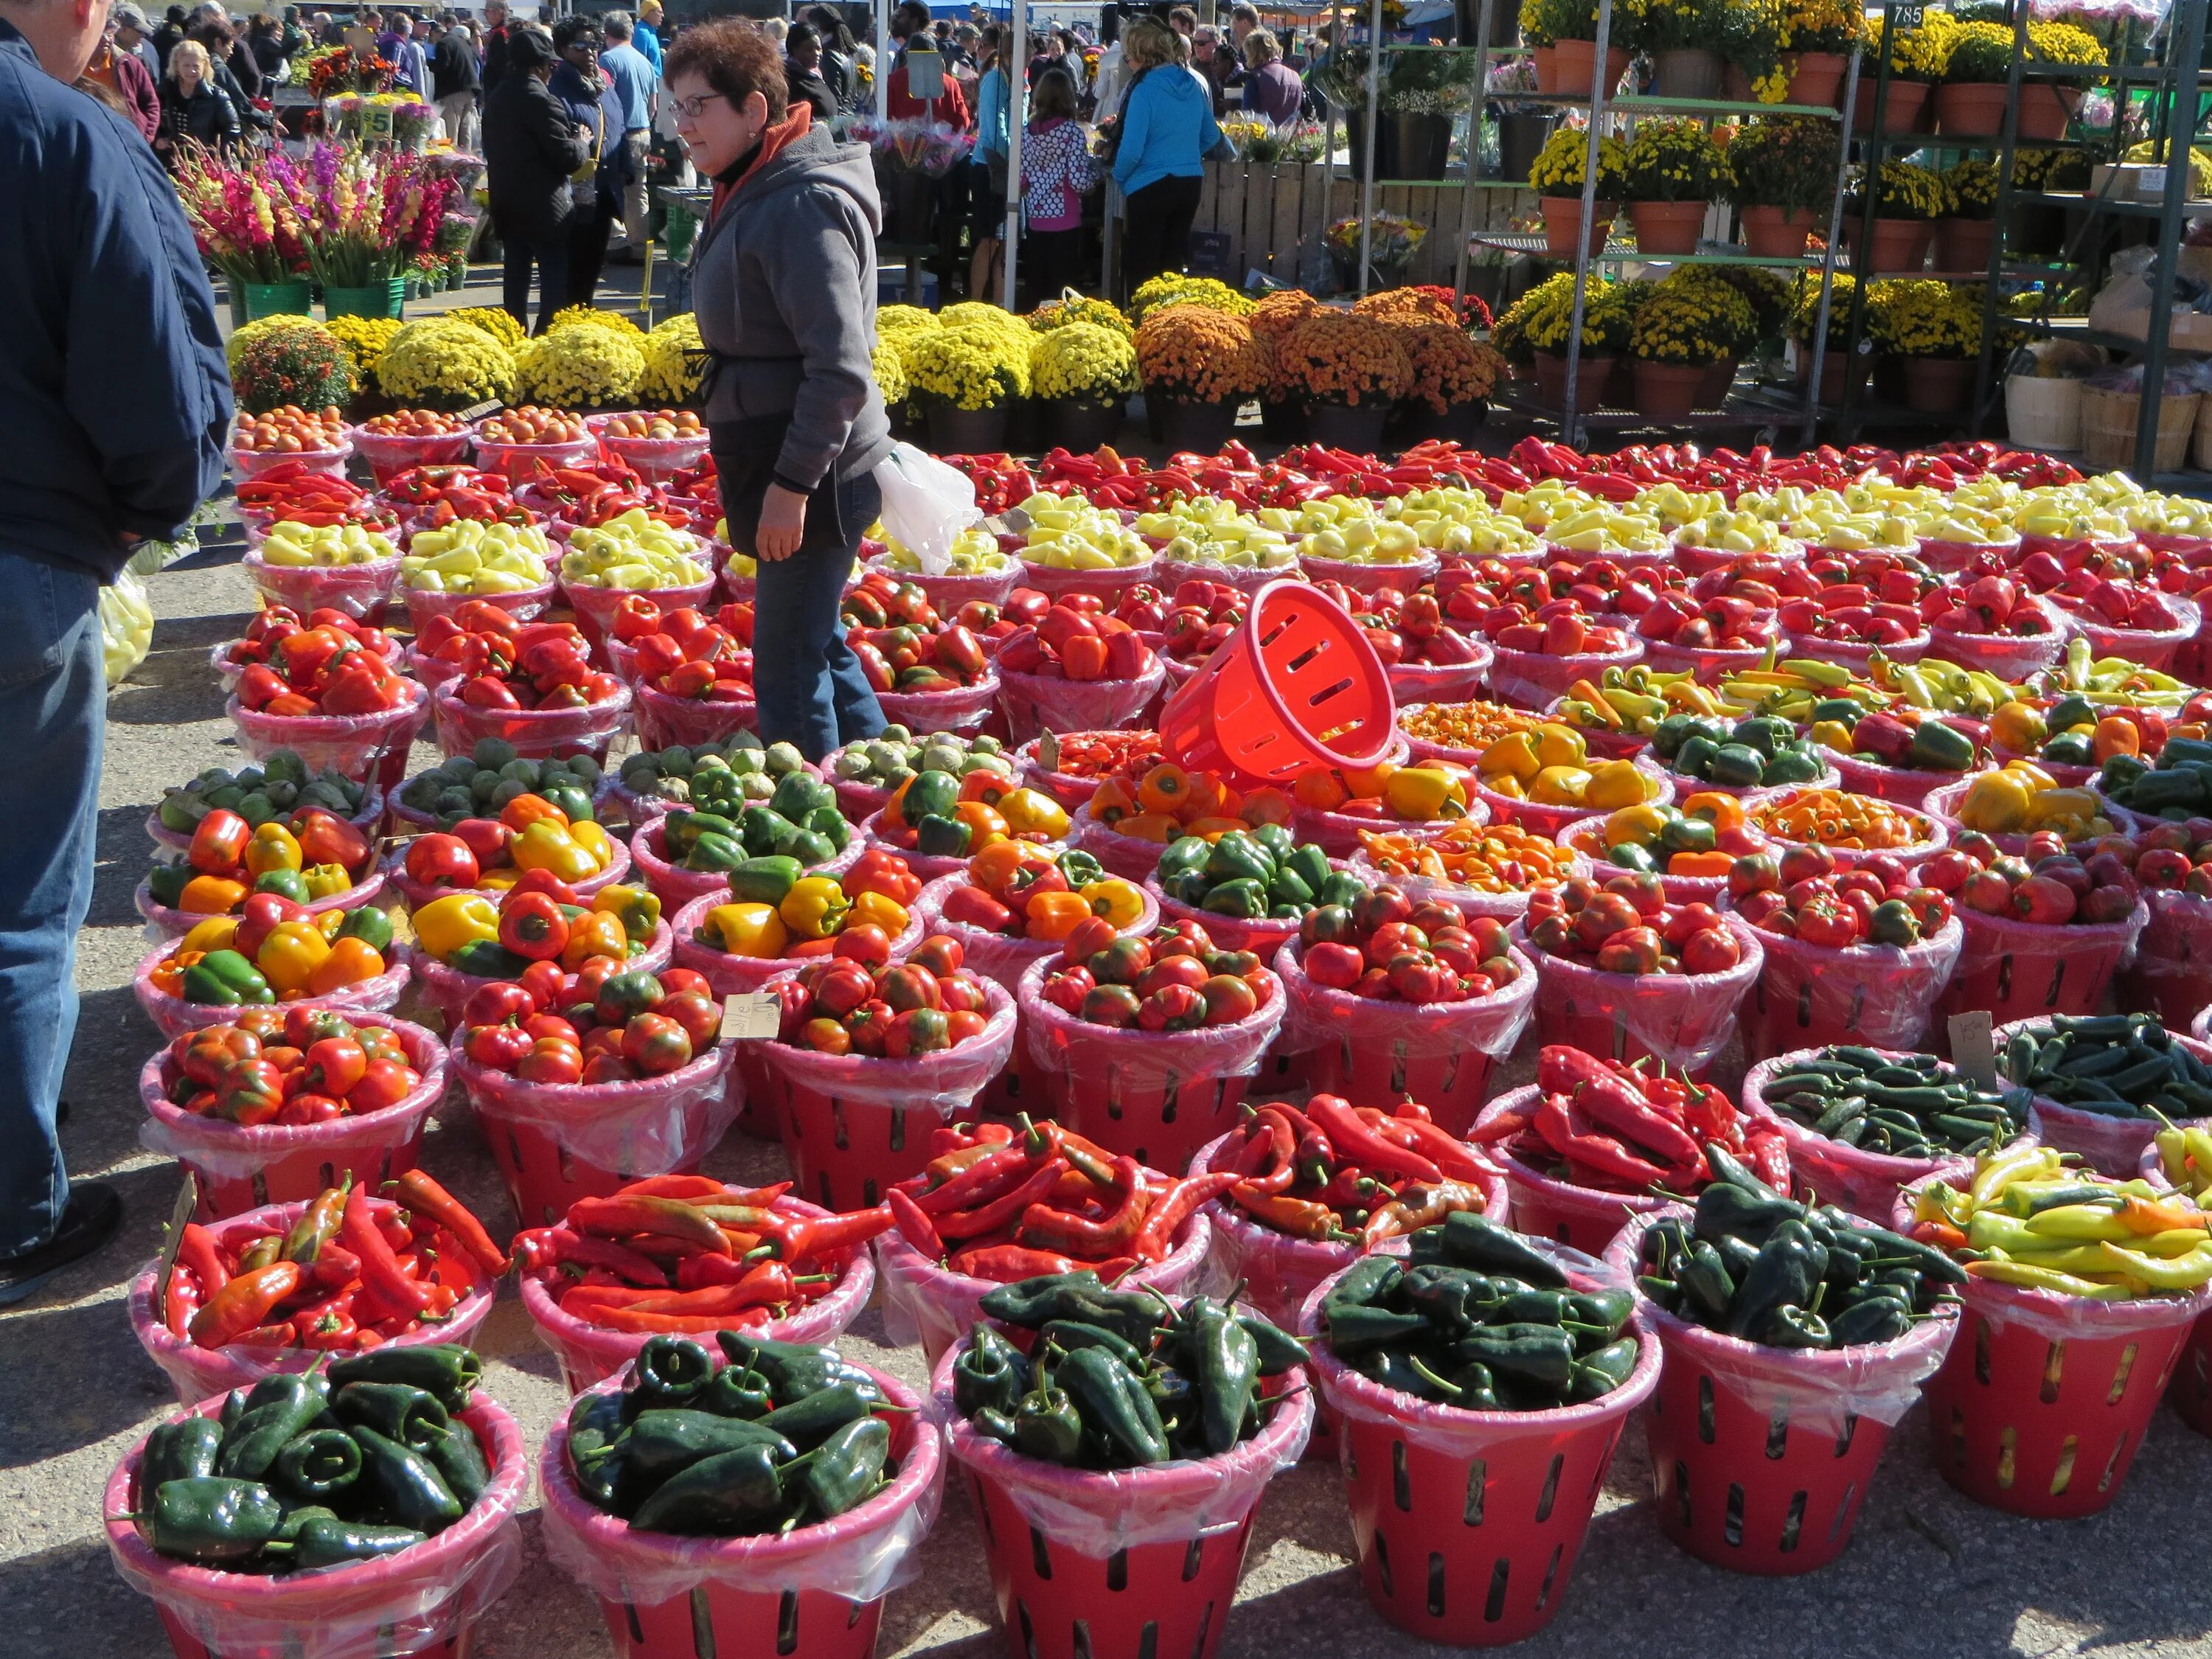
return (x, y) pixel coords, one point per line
(692, 108)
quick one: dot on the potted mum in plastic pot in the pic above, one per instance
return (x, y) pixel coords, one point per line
(1935, 330)
(1817, 39)
(1349, 371)
(2047, 106)
(1392, 242)
(1682, 38)
(1453, 377)
(1574, 48)
(1679, 333)
(1547, 324)
(1916, 63)
(1782, 172)
(1675, 170)
(1083, 373)
(1200, 364)
(1967, 230)
(1907, 201)
(1557, 178)
(965, 378)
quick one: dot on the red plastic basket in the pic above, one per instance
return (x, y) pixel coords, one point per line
(2171, 972)
(242, 1166)
(424, 1602)
(1295, 687)
(1036, 704)
(1878, 996)
(853, 1126)
(556, 1143)
(535, 733)
(1377, 1052)
(1686, 1019)
(664, 721)
(589, 1354)
(1544, 1206)
(2044, 1399)
(2018, 969)
(1158, 1096)
(814, 1593)
(1130, 1562)
(1467, 1524)
(1761, 1457)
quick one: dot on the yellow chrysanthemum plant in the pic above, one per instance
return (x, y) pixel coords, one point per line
(1805, 309)
(1902, 190)
(1073, 307)
(1969, 189)
(581, 366)
(2059, 45)
(1083, 362)
(1913, 317)
(496, 321)
(364, 340)
(1549, 320)
(1832, 26)
(1558, 168)
(890, 374)
(1173, 288)
(969, 366)
(675, 363)
(442, 362)
(593, 317)
(1674, 161)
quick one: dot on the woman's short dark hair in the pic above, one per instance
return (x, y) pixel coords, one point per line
(735, 58)
(801, 34)
(1053, 96)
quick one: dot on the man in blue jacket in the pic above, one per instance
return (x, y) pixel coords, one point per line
(114, 404)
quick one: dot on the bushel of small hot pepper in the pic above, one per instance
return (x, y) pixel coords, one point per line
(945, 1082)
(1819, 1390)
(1879, 996)
(1101, 1512)
(1318, 1015)
(860, 1556)
(410, 1602)
(1035, 703)
(1686, 1019)
(641, 1126)
(1454, 1432)
(1137, 1061)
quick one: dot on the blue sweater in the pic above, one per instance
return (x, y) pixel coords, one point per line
(114, 400)
(1167, 129)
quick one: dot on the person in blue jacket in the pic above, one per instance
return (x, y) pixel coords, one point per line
(114, 405)
(1167, 129)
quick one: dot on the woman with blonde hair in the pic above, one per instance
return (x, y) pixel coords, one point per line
(1166, 131)
(194, 108)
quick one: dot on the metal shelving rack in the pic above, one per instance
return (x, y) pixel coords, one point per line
(1756, 406)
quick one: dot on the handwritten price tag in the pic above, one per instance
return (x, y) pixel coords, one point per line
(751, 1016)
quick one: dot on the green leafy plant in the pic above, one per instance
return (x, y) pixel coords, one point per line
(1783, 161)
(1750, 39)
(1675, 161)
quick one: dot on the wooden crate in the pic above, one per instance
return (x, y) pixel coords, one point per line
(1276, 217)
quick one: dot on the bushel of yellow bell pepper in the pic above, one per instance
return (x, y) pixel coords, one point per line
(215, 933)
(748, 930)
(1423, 793)
(2017, 728)
(326, 880)
(273, 848)
(874, 910)
(288, 958)
(1114, 899)
(636, 908)
(594, 933)
(1997, 803)
(1513, 755)
(546, 846)
(1616, 784)
(444, 925)
(1560, 785)
(1559, 745)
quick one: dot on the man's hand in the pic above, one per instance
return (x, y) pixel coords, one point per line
(782, 523)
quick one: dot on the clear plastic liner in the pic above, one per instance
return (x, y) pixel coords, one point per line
(447, 989)
(1880, 996)
(642, 1125)
(962, 709)
(1530, 679)
(2153, 647)
(664, 721)
(361, 590)
(1687, 1019)
(1143, 1061)
(1366, 576)
(535, 733)
(175, 924)
(1319, 1017)
(524, 604)
(945, 1082)
(360, 746)
(1034, 702)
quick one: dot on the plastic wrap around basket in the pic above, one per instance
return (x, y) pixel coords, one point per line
(1865, 1184)
(1874, 996)
(362, 592)
(816, 1592)
(1441, 681)
(1935, 839)
(2171, 972)
(426, 1601)
(365, 748)
(1707, 664)
(195, 1373)
(535, 733)
(962, 709)
(174, 924)
(1857, 655)
(1035, 703)
(854, 1125)
(1508, 907)
(1548, 1207)
(2018, 970)
(2044, 1399)
(241, 1167)
(650, 458)
(931, 1304)
(2011, 656)
(664, 721)
(1083, 1561)
(2110, 1144)
(1950, 558)
(173, 1016)
(1532, 680)
(1158, 1096)
(1762, 1456)
(1337, 834)
(1497, 1503)
(1370, 576)
(952, 589)
(446, 990)
(524, 605)
(1375, 1052)
(1684, 1019)
(390, 453)
(1587, 838)
(1901, 786)
(556, 1143)
(595, 607)
(589, 1354)
(1168, 575)
(2151, 647)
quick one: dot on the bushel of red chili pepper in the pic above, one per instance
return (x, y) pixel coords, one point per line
(1331, 1172)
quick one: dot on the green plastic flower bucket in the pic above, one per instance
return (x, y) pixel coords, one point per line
(278, 300)
(385, 299)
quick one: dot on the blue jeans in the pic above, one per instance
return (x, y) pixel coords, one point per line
(810, 685)
(54, 708)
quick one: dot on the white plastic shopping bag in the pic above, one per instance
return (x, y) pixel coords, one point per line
(927, 504)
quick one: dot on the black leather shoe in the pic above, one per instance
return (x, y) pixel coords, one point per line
(90, 1219)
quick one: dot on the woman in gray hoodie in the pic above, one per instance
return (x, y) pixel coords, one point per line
(784, 287)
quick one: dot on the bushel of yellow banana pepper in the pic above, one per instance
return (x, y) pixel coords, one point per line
(289, 956)
(749, 930)
(814, 908)
(444, 925)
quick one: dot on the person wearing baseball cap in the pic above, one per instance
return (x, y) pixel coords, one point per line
(135, 35)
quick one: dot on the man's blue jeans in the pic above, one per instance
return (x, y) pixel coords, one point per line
(53, 712)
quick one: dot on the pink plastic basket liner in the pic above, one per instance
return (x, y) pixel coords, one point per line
(2011, 656)
(1131, 856)
(1168, 575)
(1878, 996)
(425, 1599)
(195, 1373)
(948, 592)
(664, 721)
(1686, 1019)
(944, 1083)
(2153, 647)
(2171, 972)
(1865, 1184)
(252, 463)
(365, 748)
(591, 1353)
(1529, 679)
(173, 1016)
(858, 1557)
(995, 956)
(931, 1304)
(962, 710)
(1033, 703)
(1709, 664)
(535, 733)
(640, 1126)
(1363, 576)
(522, 462)
(525, 604)
(390, 453)
(1943, 804)
(1109, 584)
(1903, 786)
(1855, 655)
(361, 590)
(1139, 1061)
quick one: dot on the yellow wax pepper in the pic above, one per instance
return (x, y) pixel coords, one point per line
(815, 907)
(544, 845)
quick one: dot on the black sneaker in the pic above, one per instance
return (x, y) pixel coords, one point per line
(92, 1217)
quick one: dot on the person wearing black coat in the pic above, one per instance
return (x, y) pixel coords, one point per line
(531, 148)
(194, 106)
